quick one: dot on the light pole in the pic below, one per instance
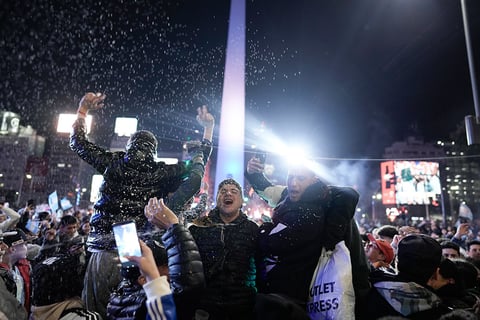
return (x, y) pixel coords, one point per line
(472, 125)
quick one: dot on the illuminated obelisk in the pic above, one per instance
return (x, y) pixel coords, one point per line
(230, 155)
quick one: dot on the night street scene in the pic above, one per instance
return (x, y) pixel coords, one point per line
(250, 147)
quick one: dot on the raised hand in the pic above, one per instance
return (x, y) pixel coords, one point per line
(254, 165)
(146, 262)
(159, 214)
(91, 101)
(204, 118)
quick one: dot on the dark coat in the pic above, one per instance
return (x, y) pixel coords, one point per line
(130, 179)
(335, 208)
(127, 301)
(291, 254)
(228, 253)
(184, 261)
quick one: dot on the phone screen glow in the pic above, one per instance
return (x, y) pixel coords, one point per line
(127, 241)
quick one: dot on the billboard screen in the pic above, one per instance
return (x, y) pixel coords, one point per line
(409, 182)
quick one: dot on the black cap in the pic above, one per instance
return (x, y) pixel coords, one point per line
(15, 239)
(418, 257)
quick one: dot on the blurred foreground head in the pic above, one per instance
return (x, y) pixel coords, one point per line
(418, 257)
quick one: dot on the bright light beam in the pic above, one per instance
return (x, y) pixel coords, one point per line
(230, 159)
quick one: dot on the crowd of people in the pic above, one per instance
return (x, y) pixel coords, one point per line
(223, 265)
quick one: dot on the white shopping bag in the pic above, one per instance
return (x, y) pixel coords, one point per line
(331, 294)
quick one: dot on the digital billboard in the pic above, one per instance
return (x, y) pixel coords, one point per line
(408, 182)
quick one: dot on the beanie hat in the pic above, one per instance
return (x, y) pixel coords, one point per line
(418, 257)
(230, 181)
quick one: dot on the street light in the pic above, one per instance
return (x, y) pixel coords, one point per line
(375, 197)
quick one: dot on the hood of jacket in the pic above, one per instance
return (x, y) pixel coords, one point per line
(141, 149)
(407, 297)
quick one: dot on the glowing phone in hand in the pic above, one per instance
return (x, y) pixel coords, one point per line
(126, 239)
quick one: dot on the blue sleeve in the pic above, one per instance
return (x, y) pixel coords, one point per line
(162, 308)
(160, 304)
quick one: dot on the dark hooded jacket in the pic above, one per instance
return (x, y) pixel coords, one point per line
(322, 218)
(228, 256)
(131, 178)
(290, 245)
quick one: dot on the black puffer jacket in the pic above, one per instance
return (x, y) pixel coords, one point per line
(127, 301)
(228, 256)
(187, 279)
(184, 261)
(130, 179)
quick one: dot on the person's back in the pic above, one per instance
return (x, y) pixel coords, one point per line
(130, 179)
(57, 283)
(407, 294)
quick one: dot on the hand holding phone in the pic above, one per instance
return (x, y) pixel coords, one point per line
(146, 262)
(127, 242)
(257, 163)
(262, 156)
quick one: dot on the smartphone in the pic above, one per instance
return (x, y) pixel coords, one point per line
(262, 156)
(126, 239)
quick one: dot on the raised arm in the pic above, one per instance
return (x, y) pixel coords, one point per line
(184, 261)
(207, 121)
(262, 186)
(94, 155)
(12, 214)
(90, 101)
(199, 153)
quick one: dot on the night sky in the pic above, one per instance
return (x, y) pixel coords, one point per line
(347, 77)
